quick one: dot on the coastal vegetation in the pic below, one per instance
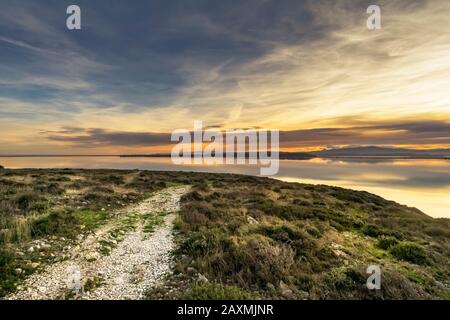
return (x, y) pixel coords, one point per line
(275, 239)
(238, 237)
(44, 211)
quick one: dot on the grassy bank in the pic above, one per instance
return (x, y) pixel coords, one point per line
(253, 237)
(238, 237)
(44, 212)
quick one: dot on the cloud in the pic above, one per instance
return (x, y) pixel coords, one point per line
(417, 133)
(290, 65)
(427, 133)
(90, 138)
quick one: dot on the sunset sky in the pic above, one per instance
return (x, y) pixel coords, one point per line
(139, 69)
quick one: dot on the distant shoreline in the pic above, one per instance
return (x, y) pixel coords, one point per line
(286, 156)
(58, 155)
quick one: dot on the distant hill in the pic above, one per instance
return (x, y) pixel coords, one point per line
(360, 151)
(373, 151)
(282, 155)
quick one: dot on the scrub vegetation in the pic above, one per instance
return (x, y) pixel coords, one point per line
(296, 241)
(238, 237)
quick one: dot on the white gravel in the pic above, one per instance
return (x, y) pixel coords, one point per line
(137, 263)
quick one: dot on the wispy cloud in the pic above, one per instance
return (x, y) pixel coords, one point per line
(300, 66)
(91, 138)
(426, 134)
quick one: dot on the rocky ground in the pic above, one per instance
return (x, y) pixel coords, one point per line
(121, 260)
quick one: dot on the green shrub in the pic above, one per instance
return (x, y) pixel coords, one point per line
(386, 242)
(112, 178)
(52, 188)
(409, 251)
(29, 201)
(217, 291)
(7, 277)
(304, 281)
(93, 283)
(161, 184)
(56, 222)
(438, 232)
(204, 241)
(14, 228)
(281, 233)
(257, 261)
(194, 195)
(372, 231)
(344, 280)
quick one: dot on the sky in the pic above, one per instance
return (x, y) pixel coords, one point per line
(137, 70)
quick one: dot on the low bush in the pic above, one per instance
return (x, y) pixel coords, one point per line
(56, 222)
(386, 242)
(216, 291)
(29, 201)
(7, 280)
(410, 252)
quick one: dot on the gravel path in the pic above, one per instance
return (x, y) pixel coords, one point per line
(136, 262)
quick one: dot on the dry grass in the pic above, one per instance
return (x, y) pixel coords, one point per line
(251, 237)
(294, 241)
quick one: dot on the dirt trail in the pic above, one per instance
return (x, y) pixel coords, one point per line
(135, 259)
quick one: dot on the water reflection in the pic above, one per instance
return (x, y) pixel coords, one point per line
(424, 184)
(420, 183)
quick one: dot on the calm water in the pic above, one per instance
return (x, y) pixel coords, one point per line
(424, 184)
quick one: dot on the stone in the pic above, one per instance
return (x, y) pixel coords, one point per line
(119, 280)
(270, 286)
(304, 294)
(202, 278)
(45, 246)
(252, 220)
(30, 249)
(91, 256)
(285, 290)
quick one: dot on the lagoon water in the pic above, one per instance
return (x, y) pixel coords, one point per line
(424, 184)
